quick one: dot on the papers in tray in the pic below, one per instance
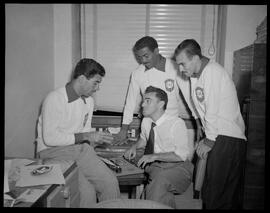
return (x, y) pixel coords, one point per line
(55, 176)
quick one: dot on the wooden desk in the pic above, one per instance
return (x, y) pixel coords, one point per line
(54, 195)
(133, 184)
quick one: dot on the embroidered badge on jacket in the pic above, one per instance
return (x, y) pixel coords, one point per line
(169, 85)
(199, 94)
(85, 119)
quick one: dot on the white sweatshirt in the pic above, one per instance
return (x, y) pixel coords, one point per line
(215, 99)
(60, 120)
(141, 79)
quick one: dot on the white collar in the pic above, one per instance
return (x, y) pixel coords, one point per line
(162, 119)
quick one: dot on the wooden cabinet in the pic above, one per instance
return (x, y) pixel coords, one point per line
(65, 195)
(249, 75)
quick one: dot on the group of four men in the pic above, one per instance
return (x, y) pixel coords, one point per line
(64, 127)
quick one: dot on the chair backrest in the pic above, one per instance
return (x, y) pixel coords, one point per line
(190, 199)
(199, 176)
(36, 155)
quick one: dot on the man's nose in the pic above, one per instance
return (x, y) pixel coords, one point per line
(143, 60)
(143, 104)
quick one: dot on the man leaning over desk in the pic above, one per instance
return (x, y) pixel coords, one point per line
(168, 152)
(158, 71)
(65, 133)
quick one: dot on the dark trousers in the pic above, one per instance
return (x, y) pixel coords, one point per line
(222, 187)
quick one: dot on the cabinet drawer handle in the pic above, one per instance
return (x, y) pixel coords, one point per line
(66, 192)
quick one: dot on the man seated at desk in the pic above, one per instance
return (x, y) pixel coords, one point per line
(168, 152)
(64, 132)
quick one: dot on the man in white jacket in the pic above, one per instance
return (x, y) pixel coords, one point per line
(215, 98)
(65, 133)
(158, 71)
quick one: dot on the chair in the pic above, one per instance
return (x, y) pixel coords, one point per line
(36, 154)
(190, 199)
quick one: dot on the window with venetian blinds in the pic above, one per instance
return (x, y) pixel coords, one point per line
(109, 31)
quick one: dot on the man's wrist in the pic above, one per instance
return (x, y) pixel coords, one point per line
(79, 137)
(125, 127)
(83, 138)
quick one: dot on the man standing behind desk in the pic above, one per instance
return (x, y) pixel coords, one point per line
(64, 132)
(158, 71)
(168, 152)
(215, 98)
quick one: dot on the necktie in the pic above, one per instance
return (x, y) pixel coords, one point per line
(149, 149)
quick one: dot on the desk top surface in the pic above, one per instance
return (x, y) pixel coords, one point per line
(66, 167)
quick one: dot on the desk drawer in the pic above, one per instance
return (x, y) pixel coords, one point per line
(65, 195)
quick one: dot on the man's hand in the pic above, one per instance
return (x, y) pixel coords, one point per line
(122, 136)
(202, 150)
(131, 152)
(100, 137)
(146, 159)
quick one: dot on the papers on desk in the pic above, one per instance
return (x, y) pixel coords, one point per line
(8, 201)
(12, 170)
(12, 174)
(31, 195)
(55, 176)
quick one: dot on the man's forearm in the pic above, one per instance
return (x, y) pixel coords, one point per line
(125, 127)
(139, 144)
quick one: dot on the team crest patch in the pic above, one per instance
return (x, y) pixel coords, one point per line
(169, 85)
(85, 119)
(199, 94)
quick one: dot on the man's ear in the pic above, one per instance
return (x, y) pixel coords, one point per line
(161, 104)
(81, 79)
(195, 58)
(156, 51)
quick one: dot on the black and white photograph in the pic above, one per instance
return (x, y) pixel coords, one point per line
(135, 106)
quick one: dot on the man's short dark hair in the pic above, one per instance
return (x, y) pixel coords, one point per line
(146, 41)
(160, 94)
(88, 67)
(190, 46)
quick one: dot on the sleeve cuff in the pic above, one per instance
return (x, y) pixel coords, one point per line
(209, 142)
(78, 138)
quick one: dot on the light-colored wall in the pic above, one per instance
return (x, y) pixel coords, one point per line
(242, 21)
(42, 44)
(29, 72)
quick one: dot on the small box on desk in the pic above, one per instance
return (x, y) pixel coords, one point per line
(102, 121)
